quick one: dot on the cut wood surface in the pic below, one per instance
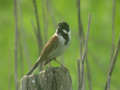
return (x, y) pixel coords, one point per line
(54, 78)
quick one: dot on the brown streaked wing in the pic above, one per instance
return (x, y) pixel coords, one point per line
(49, 47)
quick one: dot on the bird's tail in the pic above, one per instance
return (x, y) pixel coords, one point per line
(34, 67)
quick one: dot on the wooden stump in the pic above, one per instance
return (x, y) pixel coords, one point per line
(57, 78)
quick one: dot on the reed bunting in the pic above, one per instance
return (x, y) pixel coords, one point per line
(55, 46)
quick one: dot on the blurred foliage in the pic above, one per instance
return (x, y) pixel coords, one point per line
(99, 45)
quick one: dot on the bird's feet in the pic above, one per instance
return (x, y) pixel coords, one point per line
(62, 65)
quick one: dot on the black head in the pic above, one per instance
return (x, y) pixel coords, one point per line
(64, 31)
(63, 27)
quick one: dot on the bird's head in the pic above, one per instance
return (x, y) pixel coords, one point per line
(63, 28)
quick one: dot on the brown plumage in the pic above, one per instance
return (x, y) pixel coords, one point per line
(46, 52)
(45, 56)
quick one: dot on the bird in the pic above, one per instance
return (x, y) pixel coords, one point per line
(55, 46)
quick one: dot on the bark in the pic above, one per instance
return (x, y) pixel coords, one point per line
(57, 78)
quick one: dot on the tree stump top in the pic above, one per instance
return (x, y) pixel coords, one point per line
(54, 78)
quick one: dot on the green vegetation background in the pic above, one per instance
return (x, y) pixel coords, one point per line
(99, 45)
